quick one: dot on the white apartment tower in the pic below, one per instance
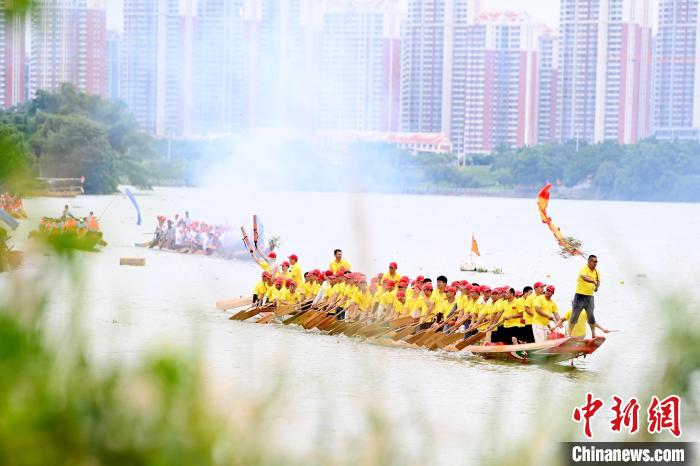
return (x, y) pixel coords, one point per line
(605, 70)
(433, 43)
(359, 67)
(69, 44)
(676, 67)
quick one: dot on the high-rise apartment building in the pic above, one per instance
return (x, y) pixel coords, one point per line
(156, 77)
(113, 64)
(500, 83)
(283, 53)
(219, 74)
(359, 67)
(605, 70)
(547, 86)
(69, 44)
(677, 67)
(432, 65)
(12, 55)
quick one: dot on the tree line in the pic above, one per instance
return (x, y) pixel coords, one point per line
(70, 134)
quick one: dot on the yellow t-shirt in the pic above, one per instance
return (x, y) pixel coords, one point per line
(388, 298)
(295, 273)
(260, 289)
(424, 305)
(512, 308)
(287, 296)
(485, 311)
(362, 299)
(529, 302)
(583, 287)
(445, 307)
(548, 306)
(394, 278)
(335, 265)
(579, 330)
(401, 308)
(273, 293)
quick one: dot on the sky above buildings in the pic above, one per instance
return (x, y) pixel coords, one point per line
(544, 11)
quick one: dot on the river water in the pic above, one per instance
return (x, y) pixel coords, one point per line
(452, 405)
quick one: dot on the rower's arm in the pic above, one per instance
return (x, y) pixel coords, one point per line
(588, 279)
(539, 311)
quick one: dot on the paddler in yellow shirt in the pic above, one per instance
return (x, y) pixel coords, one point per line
(289, 295)
(545, 310)
(360, 302)
(273, 293)
(261, 288)
(391, 274)
(512, 320)
(295, 269)
(426, 307)
(399, 308)
(446, 310)
(285, 271)
(338, 262)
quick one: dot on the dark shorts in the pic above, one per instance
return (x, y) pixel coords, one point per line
(525, 334)
(581, 302)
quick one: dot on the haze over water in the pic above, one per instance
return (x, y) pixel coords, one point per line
(443, 399)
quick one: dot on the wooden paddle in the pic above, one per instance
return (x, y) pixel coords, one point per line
(446, 340)
(251, 313)
(234, 303)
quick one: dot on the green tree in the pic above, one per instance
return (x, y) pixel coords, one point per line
(70, 146)
(15, 159)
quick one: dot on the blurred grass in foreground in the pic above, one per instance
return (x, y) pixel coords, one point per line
(58, 407)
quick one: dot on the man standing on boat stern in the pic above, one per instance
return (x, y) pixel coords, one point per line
(587, 284)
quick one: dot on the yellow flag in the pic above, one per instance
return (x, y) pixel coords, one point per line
(475, 247)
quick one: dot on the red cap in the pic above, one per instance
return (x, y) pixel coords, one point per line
(316, 272)
(464, 283)
(293, 257)
(451, 289)
(272, 255)
(390, 283)
(393, 266)
(289, 283)
(400, 294)
(538, 285)
(265, 274)
(518, 294)
(279, 281)
(455, 284)
(485, 288)
(285, 264)
(420, 278)
(428, 286)
(402, 284)
(404, 279)
(329, 273)
(550, 288)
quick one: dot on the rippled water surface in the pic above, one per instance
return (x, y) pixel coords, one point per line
(449, 402)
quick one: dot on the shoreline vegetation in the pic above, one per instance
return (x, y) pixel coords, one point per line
(67, 133)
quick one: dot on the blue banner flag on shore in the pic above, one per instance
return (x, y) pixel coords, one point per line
(132, 198)
(9, 219)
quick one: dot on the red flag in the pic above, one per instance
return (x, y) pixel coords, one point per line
(475, 247)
